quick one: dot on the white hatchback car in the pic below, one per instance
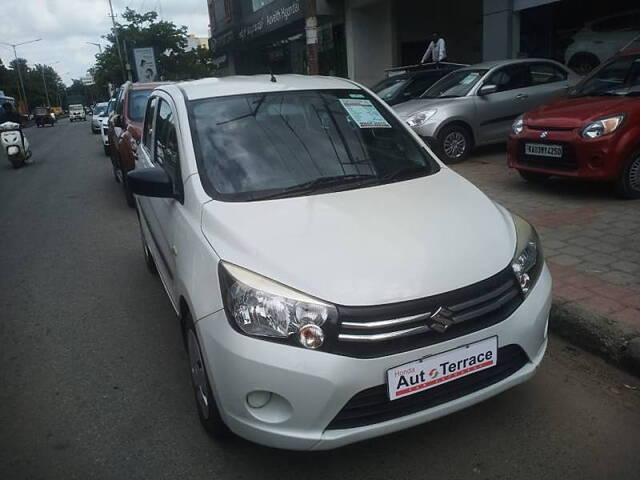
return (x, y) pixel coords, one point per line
(334, 280)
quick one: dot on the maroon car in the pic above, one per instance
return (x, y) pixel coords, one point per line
(592, 134)
(125, 130)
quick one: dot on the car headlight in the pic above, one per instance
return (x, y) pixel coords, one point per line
(517, 126)
(603, 126)
(260, 307)
(527, 260)
(420, 118)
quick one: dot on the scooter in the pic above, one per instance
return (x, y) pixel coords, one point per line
(14, 143)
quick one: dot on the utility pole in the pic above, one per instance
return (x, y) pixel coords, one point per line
(15, 54)
(115, 33)
(44, 82)
(311, 30)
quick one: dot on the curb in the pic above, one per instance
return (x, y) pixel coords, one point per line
(615, 342)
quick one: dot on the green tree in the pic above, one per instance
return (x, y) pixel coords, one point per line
(168, 40)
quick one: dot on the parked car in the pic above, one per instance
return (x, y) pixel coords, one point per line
(333, 280)
(125, 130)
(104, 133)
(99, 114)
(594, 133)
(406, 83)
(476, 105)
(43, 116)
(601, 39)
(76, 112)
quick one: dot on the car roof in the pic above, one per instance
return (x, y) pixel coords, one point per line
(499, 63)
(244, 84)
(147, 85)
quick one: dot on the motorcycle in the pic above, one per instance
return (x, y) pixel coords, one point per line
(14, 143)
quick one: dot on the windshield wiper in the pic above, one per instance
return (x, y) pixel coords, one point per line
(318, 183)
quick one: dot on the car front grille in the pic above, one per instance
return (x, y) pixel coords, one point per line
(568, 162)
(373, 405)
(375, 331)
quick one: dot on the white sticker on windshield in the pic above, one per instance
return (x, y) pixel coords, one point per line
(364, 113)
(470, 78)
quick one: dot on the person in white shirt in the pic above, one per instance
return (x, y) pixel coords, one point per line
(437, 50)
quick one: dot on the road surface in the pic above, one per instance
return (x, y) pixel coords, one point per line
(94, 377)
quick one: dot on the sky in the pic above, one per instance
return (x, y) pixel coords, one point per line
(66, 25)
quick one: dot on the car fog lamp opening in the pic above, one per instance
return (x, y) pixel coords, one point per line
(311, 336)
(258, 399)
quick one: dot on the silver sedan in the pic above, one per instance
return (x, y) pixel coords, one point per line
(476, 105)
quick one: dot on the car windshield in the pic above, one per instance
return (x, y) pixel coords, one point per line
(99, 110)
(456, 84)
(388, 88)
(75, 108)
(269, 145)
(619, 77)
(137, 104)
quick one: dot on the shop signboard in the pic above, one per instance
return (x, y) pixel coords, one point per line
(271, 17)
(145, 61)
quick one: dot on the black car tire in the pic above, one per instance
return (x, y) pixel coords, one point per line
(455, 143)
(128, 195)
(107, 151)
(534, 177)
(628, 185)
(208, 412)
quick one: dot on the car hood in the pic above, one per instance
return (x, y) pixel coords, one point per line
(368, 246)
(406, 109)
(570, 112)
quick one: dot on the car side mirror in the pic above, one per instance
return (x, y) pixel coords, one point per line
(487, 89)
(151, 182)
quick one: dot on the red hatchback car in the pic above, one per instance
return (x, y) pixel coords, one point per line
(593, 133)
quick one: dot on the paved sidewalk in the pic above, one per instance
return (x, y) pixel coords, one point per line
(591, 241)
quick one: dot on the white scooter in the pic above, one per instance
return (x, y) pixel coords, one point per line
(14, 143)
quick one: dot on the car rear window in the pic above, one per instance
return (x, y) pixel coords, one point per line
(249, 146)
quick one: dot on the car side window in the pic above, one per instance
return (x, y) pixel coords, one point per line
(511, 77)
(166, 141)
(545, 72)
(147, 132)
(120, 102)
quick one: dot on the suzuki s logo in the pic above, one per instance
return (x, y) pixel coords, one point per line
(544, 134)
(441, 320)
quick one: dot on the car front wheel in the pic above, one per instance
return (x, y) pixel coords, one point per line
(628, 185)
(455, 144)
(208, 412)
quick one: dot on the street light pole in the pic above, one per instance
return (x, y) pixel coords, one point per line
(15, 54)
(44, 82)
(115, 33)
(97, 45)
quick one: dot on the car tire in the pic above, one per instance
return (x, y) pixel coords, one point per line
(534, 177)
(107, 151)
(454, 143)
(628, 185)
(128, 195)
(583, 63)
(208, 412)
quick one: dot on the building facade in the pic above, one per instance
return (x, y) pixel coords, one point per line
(359, 39)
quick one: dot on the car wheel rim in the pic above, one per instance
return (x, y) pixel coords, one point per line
(454, 145)
(634, 175)
(198, 375)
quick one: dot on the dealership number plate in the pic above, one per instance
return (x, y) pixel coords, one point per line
(543, 150)
(426, 373)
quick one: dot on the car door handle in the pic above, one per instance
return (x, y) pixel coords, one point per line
(174, 250)
(521, 96)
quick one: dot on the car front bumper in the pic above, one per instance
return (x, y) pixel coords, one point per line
(592, 159)
(312, 387)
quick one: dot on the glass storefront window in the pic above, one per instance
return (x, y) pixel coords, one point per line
(258, 4)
